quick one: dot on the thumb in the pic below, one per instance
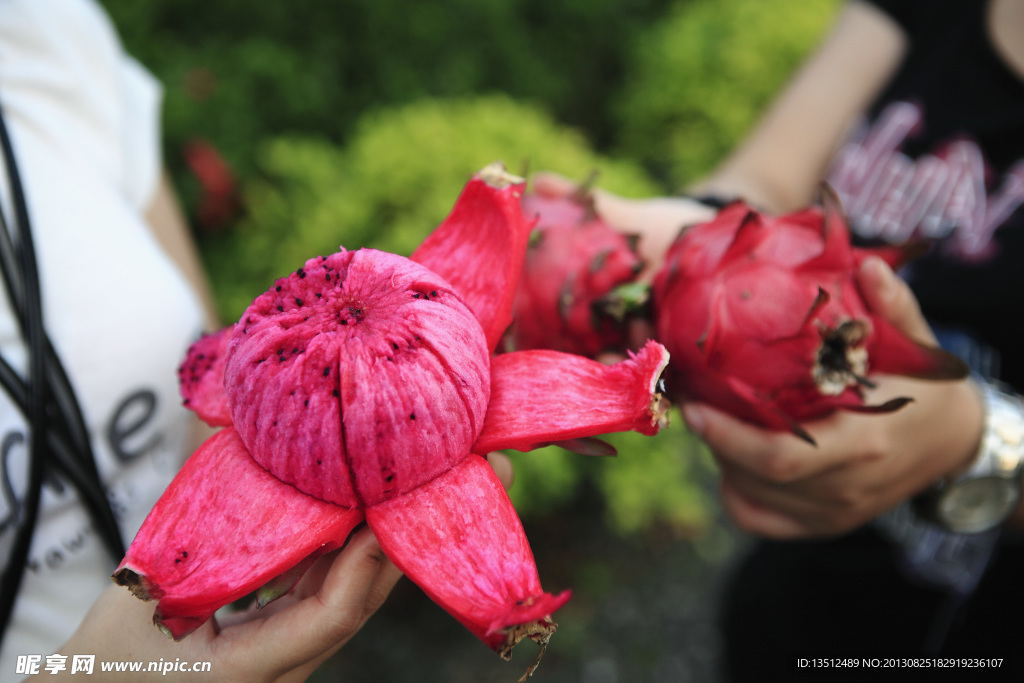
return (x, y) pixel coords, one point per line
(888, 296)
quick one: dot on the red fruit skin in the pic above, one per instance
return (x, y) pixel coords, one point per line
(193, 546)
(571, 397)
(485, 575)
(486, 228)
(573, 261)
(745, 303)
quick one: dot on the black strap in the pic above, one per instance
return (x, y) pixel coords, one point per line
(713, 201)
(58, 437)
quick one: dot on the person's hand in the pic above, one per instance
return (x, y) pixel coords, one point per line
(657, 220)
(285, 641)
(776, 485)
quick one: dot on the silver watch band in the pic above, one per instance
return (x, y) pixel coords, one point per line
(988, 492)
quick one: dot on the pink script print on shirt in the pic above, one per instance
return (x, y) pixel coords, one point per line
(890, 196)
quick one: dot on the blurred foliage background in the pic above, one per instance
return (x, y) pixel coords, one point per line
(356, 122)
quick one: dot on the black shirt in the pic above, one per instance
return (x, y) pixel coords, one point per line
(941, 157)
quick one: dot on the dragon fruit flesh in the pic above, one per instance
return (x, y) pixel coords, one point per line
(764, 319)
(362, 387)
(568, 298)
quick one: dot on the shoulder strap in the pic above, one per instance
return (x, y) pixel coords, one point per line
(58, 438)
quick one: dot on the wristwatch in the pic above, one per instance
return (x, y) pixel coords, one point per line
(985, 495)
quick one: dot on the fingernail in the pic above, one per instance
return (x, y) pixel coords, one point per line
(885, 283)
(694, 417)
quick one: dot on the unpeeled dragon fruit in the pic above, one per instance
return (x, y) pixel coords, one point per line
(572, 295)
(764, 319)
(362, 387)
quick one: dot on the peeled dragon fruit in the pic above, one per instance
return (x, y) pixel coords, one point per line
(362, 387)
(568, 298)
(764, 319)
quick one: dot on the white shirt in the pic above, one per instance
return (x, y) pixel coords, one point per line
(84, 119)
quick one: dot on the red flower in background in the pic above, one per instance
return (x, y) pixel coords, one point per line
(363, 387)
(763, 318)
(219, 200)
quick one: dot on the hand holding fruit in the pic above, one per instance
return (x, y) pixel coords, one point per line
(777, 324)
(285, 641)
(776, 485)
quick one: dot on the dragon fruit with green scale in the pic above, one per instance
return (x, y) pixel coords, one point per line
(362, 387)
(764, 319)
(574, 293)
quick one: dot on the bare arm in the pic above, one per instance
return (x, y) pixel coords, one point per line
(779, 165)
(168, 224)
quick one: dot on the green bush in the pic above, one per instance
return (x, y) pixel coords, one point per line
(672, 85)
(238, 72)
(658, 481)
(389, 187)
(701, 77)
